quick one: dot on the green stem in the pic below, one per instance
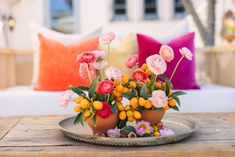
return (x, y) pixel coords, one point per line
(88, 71)
(108, 54)
(176, 68)
(101, 75)
(108, 98)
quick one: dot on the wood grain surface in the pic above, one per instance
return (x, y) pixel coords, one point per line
(40, 136)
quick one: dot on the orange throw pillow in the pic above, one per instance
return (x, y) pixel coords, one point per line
(58, 66)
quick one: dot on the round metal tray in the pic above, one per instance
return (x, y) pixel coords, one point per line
(183, 128)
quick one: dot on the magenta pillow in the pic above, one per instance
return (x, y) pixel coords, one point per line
(184, 77)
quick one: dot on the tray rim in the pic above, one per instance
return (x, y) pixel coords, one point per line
(196, 127)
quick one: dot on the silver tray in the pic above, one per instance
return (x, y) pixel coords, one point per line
(182, 126)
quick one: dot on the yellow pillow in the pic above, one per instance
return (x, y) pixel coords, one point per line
(120, 53)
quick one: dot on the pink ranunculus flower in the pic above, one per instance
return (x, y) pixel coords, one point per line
(86, 57)
(83, 71)
(167, 53)
(99, 54)
(114, 73)
(156, 64)
(65, 98)
(105, 87)
(159, 98)
(132, 61)
(106, 38)
(100, 65)
(186, 53)
(100, 62)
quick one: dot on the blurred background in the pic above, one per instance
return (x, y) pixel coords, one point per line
(213, 22)
(162, 19)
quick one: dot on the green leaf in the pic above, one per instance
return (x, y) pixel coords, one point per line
(83, 88)
(143, 91)
(176, 99)
(121, 124)
(114, 108)
(127, 95)
(77, 91)
(178, 93)
(92, 88)
(152, 82)
(175, 108)
(167, 88)
(129, 128)
(140, 108)
(79, 119)
(147, 135)
(133, 92)
(94, 120)
(92, 109)
(162, 76)
(112, 98)
(154, 108)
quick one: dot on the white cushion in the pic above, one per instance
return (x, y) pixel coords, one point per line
(66, 39)
(25, 101)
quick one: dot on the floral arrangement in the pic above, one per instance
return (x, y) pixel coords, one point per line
(115, 100)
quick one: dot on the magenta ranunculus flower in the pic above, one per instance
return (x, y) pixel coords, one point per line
(159, 98)
(105, 111)
(65, 98)
(105, 87)
(139, 75)
(186, 53)
(167, 53)
(156, 64)
(132, 61)
(86, 57)
(106, 38)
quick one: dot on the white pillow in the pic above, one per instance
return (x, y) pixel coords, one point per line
(66, 39)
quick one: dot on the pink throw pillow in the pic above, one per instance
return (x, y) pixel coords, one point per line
(184, 77)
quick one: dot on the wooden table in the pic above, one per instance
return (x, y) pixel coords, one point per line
(39, 136)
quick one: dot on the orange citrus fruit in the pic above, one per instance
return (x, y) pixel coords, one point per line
(77, 108)
(134, 102)
(122, 115)
(171, 102)
(144, 67)
(97, 105)
(137, 115)
(84, 104)
(148, 104)
(78, 99)
(142, 101)
(125, 78)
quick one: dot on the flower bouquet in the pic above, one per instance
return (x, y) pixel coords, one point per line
(116, 105)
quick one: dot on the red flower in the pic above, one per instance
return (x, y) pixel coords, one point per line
(86, 57)
(105, 87)
(139, 75)
(105, 111)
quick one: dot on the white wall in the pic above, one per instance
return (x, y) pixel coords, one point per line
(99, 12)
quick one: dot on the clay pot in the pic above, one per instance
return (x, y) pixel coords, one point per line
(103, 125)
(152, 116)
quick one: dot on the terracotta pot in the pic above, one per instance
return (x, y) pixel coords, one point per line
(103, 125)
(152, 116)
